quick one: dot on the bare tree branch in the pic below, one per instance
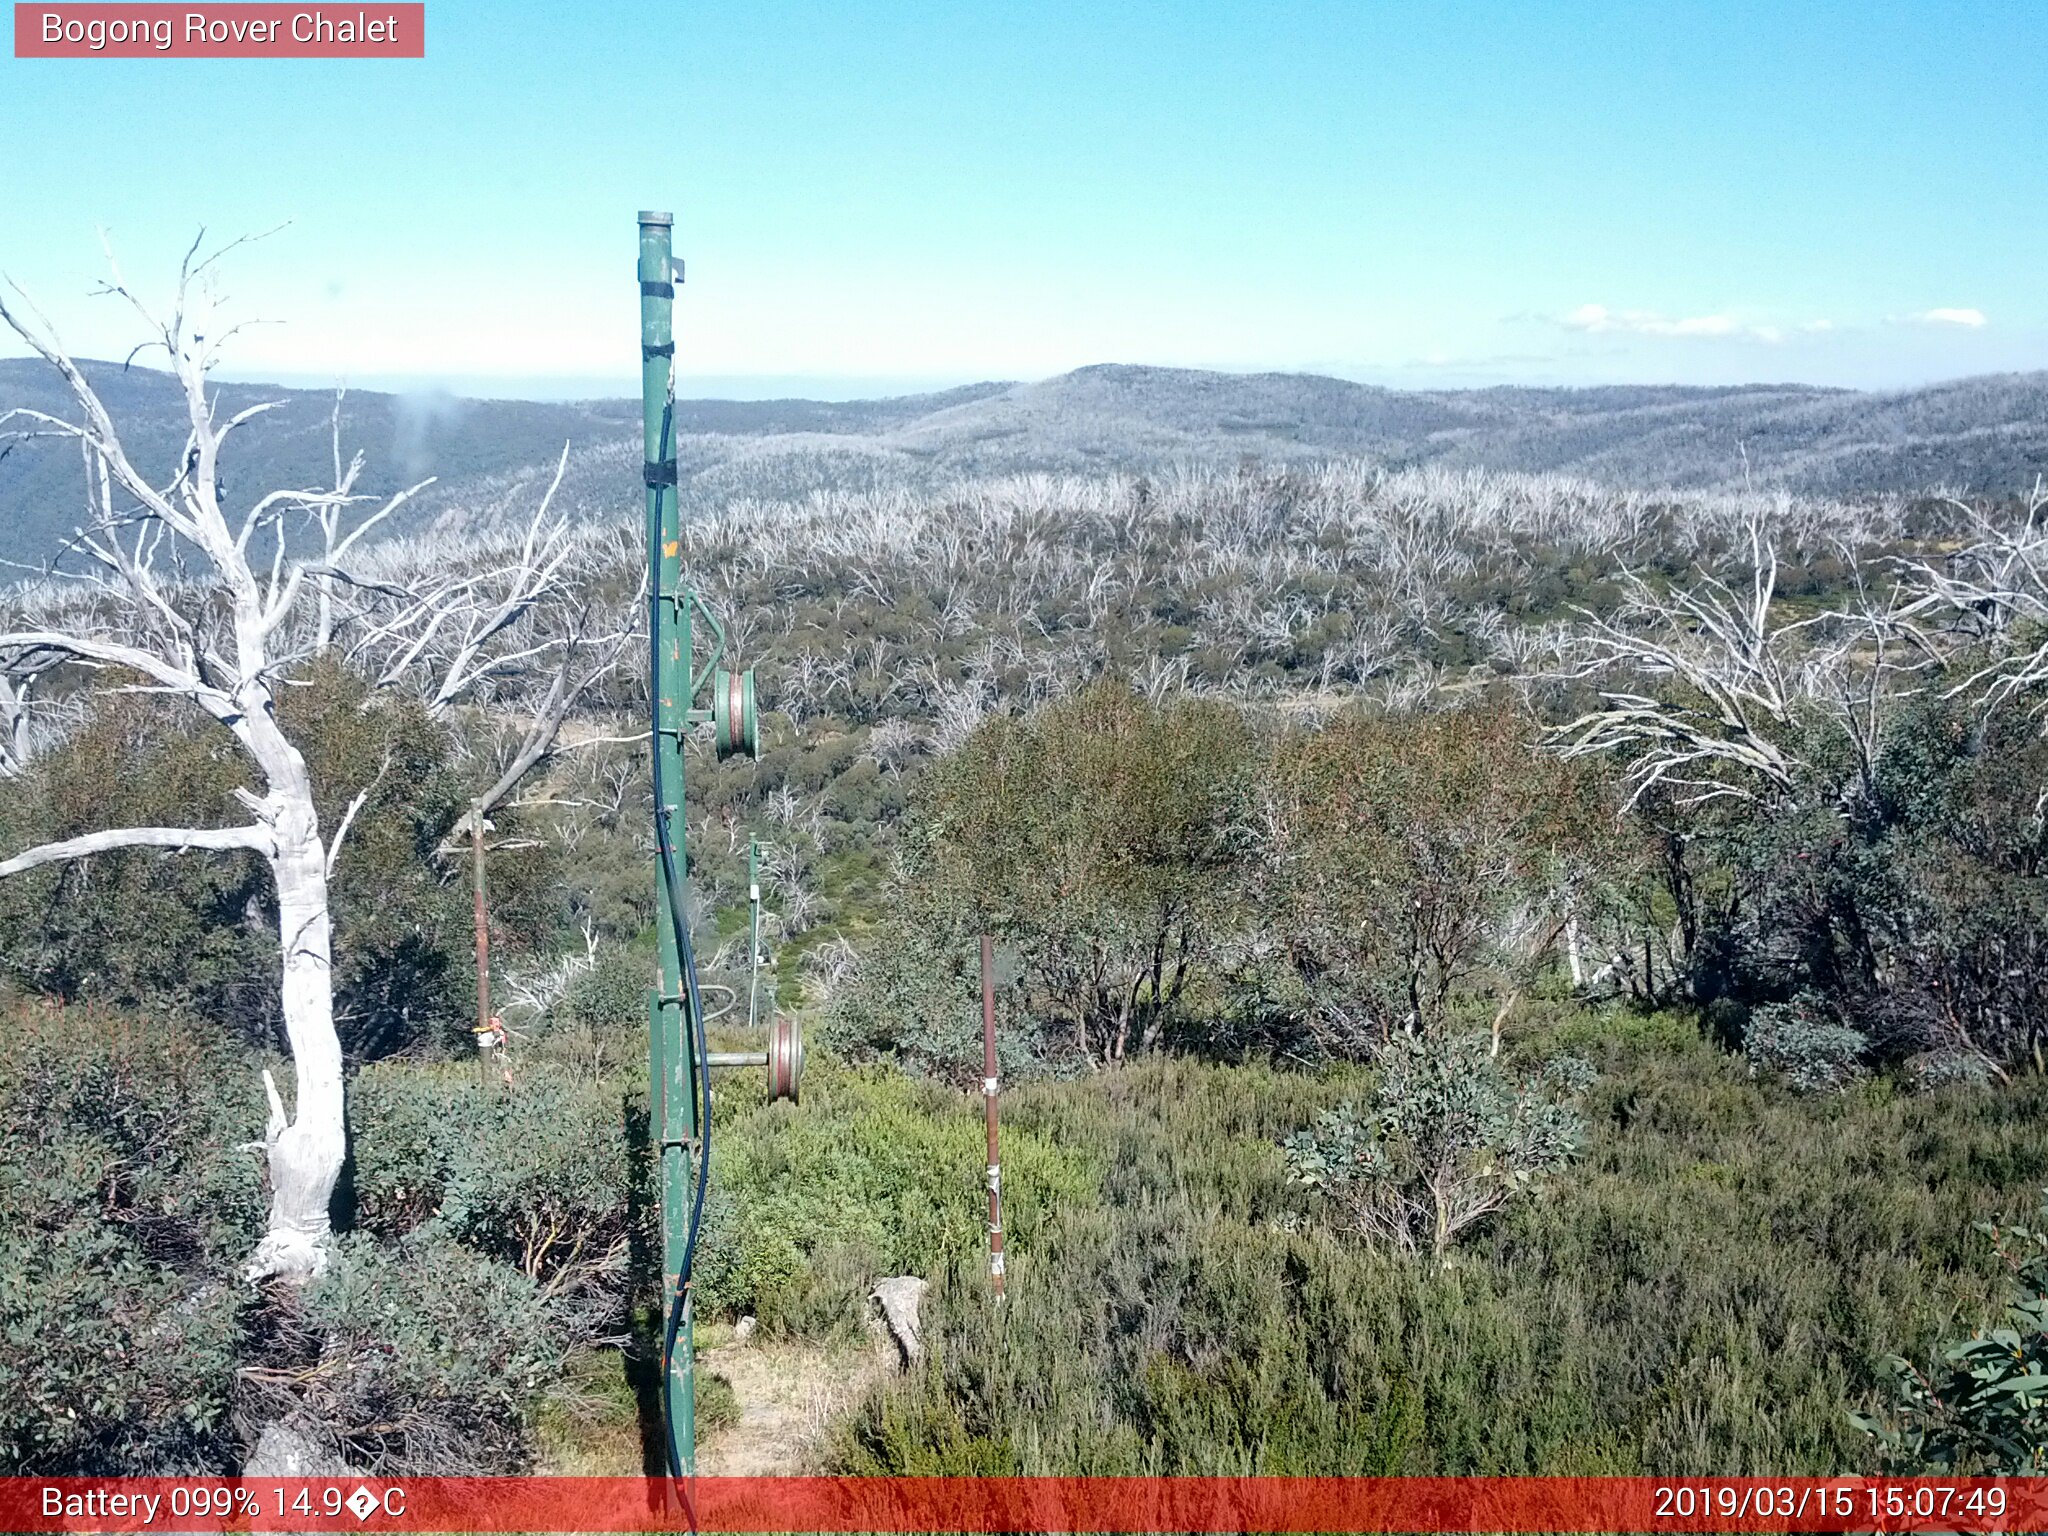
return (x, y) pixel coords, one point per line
(256, 839)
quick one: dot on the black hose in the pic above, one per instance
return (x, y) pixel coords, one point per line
(686, 953)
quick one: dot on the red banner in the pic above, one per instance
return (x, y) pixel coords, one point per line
(373, 30)
(1049, 1504)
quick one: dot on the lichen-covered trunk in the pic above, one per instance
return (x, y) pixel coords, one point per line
(306, 1150)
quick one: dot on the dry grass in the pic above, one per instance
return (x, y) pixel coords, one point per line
(789, 1394)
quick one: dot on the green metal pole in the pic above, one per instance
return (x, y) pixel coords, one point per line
(675, 1089)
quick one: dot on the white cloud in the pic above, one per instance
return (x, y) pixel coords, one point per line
(1699, 325)
(1971, 318)
(1598, 319)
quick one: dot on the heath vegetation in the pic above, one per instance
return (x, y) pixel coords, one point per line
(1496, 973)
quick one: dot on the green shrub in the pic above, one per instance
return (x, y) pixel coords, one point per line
(1400, 846)
(916, 1002)
(110, 1364)
(432, 1356)
(1982, 1408)
(1939, 1069)
(612, 994)
(1104, 838)
(1905, 882)
(542, 1176)
(718, 1406)
(1802, 1042)
(873, 1174)
(1710, 1293)
(124, 1206)
(1450, 1138)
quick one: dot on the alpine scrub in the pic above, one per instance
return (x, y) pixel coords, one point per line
(1449, 1138)
(1981, 1408)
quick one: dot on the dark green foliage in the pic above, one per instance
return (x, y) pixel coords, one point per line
(541, 1177)
(1450, 1137)
(1803, 1041)
(1910, 894)
(434, 1355)
(186, 931)
(122, 1212)
(495, 1229)
(1958, 908)
(718, 1406)
(612, 994)
(916, 1001)
(1982, 1408)
(1710, 1292)
(196, 932)
(532, 906)
(1103, 838)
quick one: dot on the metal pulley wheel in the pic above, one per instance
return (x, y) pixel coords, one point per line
(785, 1059)
(735, 726)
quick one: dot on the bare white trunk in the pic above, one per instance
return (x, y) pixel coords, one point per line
(1571, 949)
(306, 1152)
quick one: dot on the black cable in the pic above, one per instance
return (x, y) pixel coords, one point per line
(686, 953)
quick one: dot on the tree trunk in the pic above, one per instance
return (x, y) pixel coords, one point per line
(306, 1153)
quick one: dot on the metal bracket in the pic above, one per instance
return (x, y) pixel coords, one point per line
(700, 676)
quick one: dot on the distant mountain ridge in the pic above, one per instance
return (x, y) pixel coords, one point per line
(1987, 434)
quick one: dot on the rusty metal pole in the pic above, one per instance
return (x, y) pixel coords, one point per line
(989, 1085)
(483, 945)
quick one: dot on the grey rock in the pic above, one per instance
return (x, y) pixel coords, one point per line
(285, 1451)
(901, 1296)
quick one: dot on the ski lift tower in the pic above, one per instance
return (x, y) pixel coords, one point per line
(679, 1102)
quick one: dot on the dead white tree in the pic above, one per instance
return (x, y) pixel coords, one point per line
(176, 601)
(446, 626)
(1990, 594)
(337, 536)
(455, 622)
(1734, 677)
(19, 676)
(512, 624)
(196, 619)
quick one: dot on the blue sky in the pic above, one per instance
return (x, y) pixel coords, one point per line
(875, 196)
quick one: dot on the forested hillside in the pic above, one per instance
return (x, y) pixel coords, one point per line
(1983, 436)
(1497, 975)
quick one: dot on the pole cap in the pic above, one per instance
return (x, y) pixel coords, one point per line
(663, 219)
